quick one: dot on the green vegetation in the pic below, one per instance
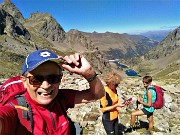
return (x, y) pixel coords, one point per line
(14, 69)
(168, 71)
(169, 74)
(11, 63)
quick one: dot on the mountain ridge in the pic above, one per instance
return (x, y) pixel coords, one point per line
(20, 36)
(157, 35)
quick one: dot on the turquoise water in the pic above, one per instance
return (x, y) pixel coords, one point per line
(120, 65)
(129, 72)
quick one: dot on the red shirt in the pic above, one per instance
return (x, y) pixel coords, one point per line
(50, 120)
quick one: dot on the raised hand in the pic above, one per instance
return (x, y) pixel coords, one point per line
(76, 63)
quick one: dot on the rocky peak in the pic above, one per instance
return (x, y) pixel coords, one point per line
(75, 38)
(41, 30)
(11, 26)
(167, 47)
(9, 7)
(46, 26)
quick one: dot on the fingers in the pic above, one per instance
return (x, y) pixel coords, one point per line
(73, 59)
(77, 56)
(121, 105)
(128, 102)
(75, 63)
(60, 57)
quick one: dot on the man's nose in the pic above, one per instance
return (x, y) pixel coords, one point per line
(45, 84)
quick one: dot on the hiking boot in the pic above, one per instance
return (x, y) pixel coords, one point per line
(137, 124)
(128, 129)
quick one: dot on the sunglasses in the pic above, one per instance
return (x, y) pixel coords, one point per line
(145, 82)
(38, 79)
(116, 85)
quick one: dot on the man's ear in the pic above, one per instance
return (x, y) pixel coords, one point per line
(23, 79)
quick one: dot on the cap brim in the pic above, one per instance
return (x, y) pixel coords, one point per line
(59, 61)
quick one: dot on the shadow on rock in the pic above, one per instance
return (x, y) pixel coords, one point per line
(138, 125)
(121, 128)
(144, 124)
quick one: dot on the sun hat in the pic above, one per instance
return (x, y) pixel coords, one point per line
(34, 59)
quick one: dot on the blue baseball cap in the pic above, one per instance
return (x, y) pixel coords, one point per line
(36, 58)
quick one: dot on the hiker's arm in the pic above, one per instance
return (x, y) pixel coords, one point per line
(8, 119)
(109, 108)
(149, 96)
(149, 104)
(79, 65)
(115, 106)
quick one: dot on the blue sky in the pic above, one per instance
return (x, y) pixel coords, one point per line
(121, 16)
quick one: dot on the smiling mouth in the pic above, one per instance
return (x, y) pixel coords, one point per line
(45, 93)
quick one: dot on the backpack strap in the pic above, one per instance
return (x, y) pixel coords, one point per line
(26, 109)
(152, 88)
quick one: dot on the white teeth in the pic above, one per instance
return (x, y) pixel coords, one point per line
(45, 93)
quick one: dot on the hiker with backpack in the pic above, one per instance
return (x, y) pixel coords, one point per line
(42, 108)
(149, 98)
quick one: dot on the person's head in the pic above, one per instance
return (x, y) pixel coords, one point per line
(41, 76)
(112, 80)
(147, 81)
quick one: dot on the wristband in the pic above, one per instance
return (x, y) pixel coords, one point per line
(92, 78)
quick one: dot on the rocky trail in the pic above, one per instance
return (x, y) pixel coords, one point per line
(88, 116)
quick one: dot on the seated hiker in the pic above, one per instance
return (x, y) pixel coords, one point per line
(149, 97)
(45, 104)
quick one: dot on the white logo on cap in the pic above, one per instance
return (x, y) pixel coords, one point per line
(45, 54)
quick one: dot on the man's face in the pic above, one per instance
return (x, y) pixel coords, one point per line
(42, 83)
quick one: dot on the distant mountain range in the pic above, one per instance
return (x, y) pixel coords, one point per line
(121, 46)
(157, 35)
(19, 36)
